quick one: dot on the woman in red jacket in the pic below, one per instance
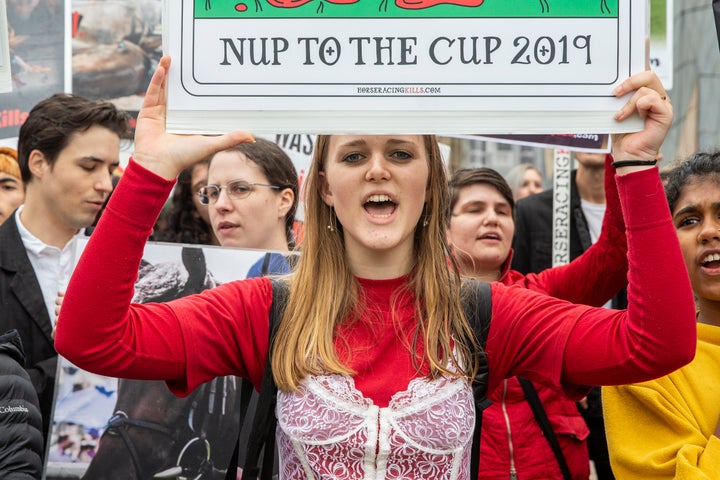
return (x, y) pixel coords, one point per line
(480, 231)
(373, 354)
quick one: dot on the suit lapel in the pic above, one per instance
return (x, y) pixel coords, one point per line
(24, 284)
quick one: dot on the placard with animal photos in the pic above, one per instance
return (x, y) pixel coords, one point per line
(104, 427)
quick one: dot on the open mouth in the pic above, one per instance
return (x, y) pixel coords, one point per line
(380, 206)
(711, 261)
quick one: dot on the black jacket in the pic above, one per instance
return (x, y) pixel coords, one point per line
(22, 308)
(21, 440)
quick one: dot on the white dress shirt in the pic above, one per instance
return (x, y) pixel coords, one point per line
(52, 266)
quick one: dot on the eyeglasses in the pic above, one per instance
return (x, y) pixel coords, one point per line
(237, 190)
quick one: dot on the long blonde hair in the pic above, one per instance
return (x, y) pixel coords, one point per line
(324, 292)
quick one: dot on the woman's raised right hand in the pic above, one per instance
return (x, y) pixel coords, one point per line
(165, 153)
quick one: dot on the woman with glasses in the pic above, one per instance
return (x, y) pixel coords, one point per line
(252, 196)
(373, 355)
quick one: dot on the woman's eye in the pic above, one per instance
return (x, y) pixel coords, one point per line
(352, 157)
(401, 155)
(687, 221)
(241, 189)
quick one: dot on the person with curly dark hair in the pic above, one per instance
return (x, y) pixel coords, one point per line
(669, 428)
(186, 219)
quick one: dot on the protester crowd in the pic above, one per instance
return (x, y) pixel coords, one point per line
(374, 356)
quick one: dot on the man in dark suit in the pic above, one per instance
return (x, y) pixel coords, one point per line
(532, 246)
(68, 148)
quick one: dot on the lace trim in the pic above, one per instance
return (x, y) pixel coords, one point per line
(330, 430)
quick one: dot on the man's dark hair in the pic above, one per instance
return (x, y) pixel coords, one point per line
(52, 122)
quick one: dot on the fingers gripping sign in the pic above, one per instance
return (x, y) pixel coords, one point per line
(647, 98)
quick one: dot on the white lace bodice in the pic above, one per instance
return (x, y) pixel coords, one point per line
(330, 431)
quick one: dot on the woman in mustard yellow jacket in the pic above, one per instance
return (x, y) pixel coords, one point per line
(669, 428)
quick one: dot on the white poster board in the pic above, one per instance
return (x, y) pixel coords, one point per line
(448, 66)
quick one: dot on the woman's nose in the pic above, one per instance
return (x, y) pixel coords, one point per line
(710, 231)
(377, 168)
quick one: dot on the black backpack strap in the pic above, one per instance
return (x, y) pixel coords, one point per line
(477, 306)
(265, 422)
(542, 419)
(265, 264)
(246, 390)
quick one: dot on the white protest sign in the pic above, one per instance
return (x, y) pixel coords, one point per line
(429, 66)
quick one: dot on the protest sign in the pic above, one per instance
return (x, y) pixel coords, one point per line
(447, 66)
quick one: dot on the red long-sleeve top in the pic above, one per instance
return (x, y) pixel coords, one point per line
(224, 331)
(511, 437)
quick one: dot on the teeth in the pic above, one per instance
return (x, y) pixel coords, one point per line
(378, 198)
(713, 257)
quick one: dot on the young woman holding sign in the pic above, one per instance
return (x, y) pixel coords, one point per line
(373, 356)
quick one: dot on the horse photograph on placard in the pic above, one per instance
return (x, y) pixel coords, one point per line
(108, 428)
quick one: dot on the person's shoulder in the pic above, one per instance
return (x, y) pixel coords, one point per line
(9, 228)
(271, 263)
(11, 243)
(12, 355)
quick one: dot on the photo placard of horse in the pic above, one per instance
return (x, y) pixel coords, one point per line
(383, 66)
(108, 428)
(37, 61)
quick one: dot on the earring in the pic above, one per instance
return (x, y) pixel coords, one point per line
(331, 225)
(426, 222)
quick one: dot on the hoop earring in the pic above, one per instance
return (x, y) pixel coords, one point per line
(332, 226)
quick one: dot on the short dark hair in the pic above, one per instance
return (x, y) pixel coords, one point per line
(467, 177)
(279, 170)
(701, 165)
(52, 122)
